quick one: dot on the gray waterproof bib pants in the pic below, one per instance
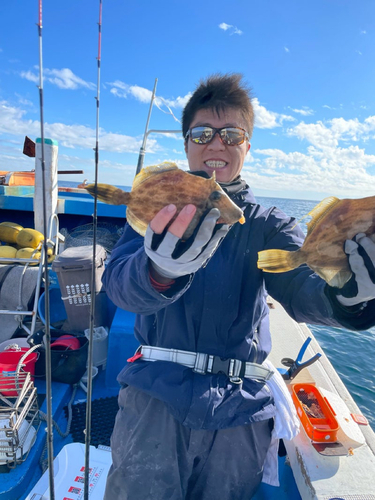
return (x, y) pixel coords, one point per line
(157, 458)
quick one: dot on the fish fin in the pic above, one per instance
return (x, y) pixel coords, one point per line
(138, 226)
(334, 277)
(318, 212)
(108, 194)
(214, 185)
(279, 261)
(146, 172)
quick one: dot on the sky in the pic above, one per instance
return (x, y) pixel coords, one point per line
(310, 65)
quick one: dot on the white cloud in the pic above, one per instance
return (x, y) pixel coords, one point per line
(363, 32)
(354, 130)
(333, 160)
(175, 135)
(305, 111)
(179, 102)
(82, 137)
(277, 160)
(359, 52)
(24, 102)
(12, 121)
(233, 30)
(66, 79)
(28, 75)
(121, 174)
(63, 78)
(286, 49)
(268, 119)
(315, 133)
(337, 171)
(338, 129)
(263, 117)
(325, 167)
(225, 26)
(121, 89)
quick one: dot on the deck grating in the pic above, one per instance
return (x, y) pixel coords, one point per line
(102, 421)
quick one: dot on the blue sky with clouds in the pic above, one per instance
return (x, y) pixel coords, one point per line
(310, 64)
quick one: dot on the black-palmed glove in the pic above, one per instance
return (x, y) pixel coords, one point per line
(361, 286)
(171, 257)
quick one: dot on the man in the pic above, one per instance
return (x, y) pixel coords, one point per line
(193, 426)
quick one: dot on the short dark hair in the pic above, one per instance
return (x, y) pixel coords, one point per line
(219, 92)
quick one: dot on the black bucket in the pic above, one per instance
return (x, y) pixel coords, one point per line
(67, 366)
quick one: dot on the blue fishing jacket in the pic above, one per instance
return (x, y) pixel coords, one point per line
(219, 310)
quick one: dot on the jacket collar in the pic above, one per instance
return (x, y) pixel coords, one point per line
(239, 191)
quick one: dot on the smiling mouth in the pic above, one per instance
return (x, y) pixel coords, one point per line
(215, 163)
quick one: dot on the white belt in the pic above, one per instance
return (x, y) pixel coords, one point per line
(207, 363)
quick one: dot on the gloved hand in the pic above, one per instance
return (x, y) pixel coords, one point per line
(361, 286)
(172, 258)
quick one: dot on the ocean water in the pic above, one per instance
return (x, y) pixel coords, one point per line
(351, 353)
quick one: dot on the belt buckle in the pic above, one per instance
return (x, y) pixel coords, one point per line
(220, 365)
(226, 366)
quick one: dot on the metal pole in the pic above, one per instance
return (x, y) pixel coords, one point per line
(142, 151)
(45, 267)
(93, 288)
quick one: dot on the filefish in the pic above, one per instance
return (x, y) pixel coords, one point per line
(333, 221)
(160, 185)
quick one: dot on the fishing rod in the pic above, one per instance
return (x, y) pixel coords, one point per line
(93, 290)
(45, 270)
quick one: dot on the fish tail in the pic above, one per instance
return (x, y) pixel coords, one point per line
(279, 261)
(109, 194)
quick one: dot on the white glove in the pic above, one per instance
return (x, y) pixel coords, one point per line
(173, 257)
(361, 286)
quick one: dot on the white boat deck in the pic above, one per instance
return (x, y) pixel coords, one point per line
(349, 477)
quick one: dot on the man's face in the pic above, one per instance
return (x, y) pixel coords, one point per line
(226, 161)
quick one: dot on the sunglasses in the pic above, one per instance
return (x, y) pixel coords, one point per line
(231, 136)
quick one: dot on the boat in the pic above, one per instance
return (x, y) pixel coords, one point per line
(311, 468)
(331, 458)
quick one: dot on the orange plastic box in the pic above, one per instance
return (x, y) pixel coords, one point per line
(316, 415)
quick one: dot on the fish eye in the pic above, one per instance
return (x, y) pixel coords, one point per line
(215, 195)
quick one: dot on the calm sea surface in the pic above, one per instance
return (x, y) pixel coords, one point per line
(351, 353)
